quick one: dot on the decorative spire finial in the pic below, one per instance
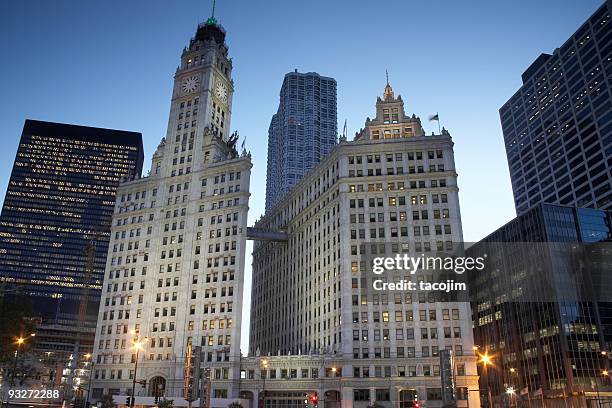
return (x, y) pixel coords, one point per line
(388, 94)
(212, 20)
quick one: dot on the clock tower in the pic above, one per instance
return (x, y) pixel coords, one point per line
(178, 239)
(201, 105)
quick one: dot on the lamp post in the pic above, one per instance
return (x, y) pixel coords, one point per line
(137, 345)
(487, 360)
(511, 392)
(91, 364)
(335, 371)
(605, 371)
(19, 342)
(264, 366)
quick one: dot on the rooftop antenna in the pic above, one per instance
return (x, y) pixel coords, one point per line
(387, 72)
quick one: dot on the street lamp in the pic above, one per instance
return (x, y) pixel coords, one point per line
(87, 357)
(486, 360)
(137, 345)
(511, 392)
(335, 371)
(513, 373)
(19, 341)
(605, 373)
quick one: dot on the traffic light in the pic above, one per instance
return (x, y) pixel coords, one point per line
(416, 404)
(156, 399)
(128, 401)
(314, 399)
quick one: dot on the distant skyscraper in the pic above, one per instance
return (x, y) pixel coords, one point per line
(302, 132)
(558, 126)
(59, 200)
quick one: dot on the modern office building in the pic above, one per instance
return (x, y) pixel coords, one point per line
(55, 225)
(392, 190)
(542, 307)
(558, 126)
(302, 132)
(174, 271)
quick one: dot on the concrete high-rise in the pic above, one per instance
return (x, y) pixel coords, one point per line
(392, 190)
(174, 272)
(55, 225)
(301, 133)
(558, 126)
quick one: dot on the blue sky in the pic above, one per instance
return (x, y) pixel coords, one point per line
(110, 64)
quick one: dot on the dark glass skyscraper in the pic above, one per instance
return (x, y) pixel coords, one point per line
(558, 126)
(55, 222)
(301, 133)
(541, 307)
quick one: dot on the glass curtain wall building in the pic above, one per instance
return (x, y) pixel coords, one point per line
(538, 307)
(55, 222)
(558, 126)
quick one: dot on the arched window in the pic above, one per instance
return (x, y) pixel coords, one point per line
(157, 387)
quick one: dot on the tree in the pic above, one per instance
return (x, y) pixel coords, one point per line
(165, 403)
(16, 321)
(106, 401)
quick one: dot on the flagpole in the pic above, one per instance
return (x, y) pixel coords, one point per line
(439, 130)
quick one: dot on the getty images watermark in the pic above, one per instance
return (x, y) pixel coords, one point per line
(442, 265)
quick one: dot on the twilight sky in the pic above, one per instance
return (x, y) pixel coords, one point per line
(110, 64)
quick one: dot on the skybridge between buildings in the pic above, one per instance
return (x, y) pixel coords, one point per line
(262, 234)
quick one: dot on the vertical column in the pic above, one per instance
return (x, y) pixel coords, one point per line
(321, 395)
(255, 400)
(347, 397)
(372, 395)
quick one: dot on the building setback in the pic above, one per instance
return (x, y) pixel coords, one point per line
(392, 190)
(558, 126)
(55, 225)
(174, 272)
(542, 305)
(301, 133)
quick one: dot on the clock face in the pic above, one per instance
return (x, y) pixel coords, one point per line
(190, 84)
(221, 91)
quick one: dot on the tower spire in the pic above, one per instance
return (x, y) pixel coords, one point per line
(212, 20)
(388, 94)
